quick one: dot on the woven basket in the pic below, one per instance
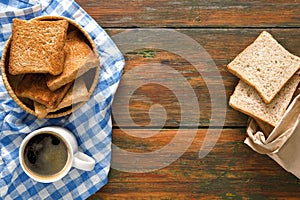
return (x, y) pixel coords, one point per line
(10, 79)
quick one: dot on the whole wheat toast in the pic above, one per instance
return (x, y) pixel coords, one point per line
(79, 59)
(265, 65)
(37, 46)
(34, 87)
(247, 100)
(77, 93)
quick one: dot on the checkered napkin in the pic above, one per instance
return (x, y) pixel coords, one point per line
(91, 123)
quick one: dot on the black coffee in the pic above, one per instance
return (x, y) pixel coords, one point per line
(45, 154)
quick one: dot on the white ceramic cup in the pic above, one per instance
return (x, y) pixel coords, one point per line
(74, 158)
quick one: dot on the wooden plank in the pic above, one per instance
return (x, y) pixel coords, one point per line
(181, 13)
(231, 170)
(221, 44)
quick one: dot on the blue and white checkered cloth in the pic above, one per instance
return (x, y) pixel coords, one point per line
(91, 123)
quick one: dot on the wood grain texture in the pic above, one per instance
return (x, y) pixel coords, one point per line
(230, 171)
(153, 111)
(182, 13)
(221, 44)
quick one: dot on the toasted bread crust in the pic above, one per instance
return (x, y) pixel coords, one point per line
(77, 93)
(11, 81)
(34, 87)
(79, 59)
(37, 46)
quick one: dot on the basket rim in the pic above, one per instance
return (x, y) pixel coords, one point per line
(14, 96)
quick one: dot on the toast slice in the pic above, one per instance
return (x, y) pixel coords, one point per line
(77, 93)
(37, 46)
(265, 65)
(79, 59)
(34, 87)
(247, 100)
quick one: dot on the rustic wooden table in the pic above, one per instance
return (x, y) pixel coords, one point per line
(156, 84)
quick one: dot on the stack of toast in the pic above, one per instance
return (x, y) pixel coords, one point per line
(50, 59)
(268, 80)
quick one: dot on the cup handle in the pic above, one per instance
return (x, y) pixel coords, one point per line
(83, 162)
